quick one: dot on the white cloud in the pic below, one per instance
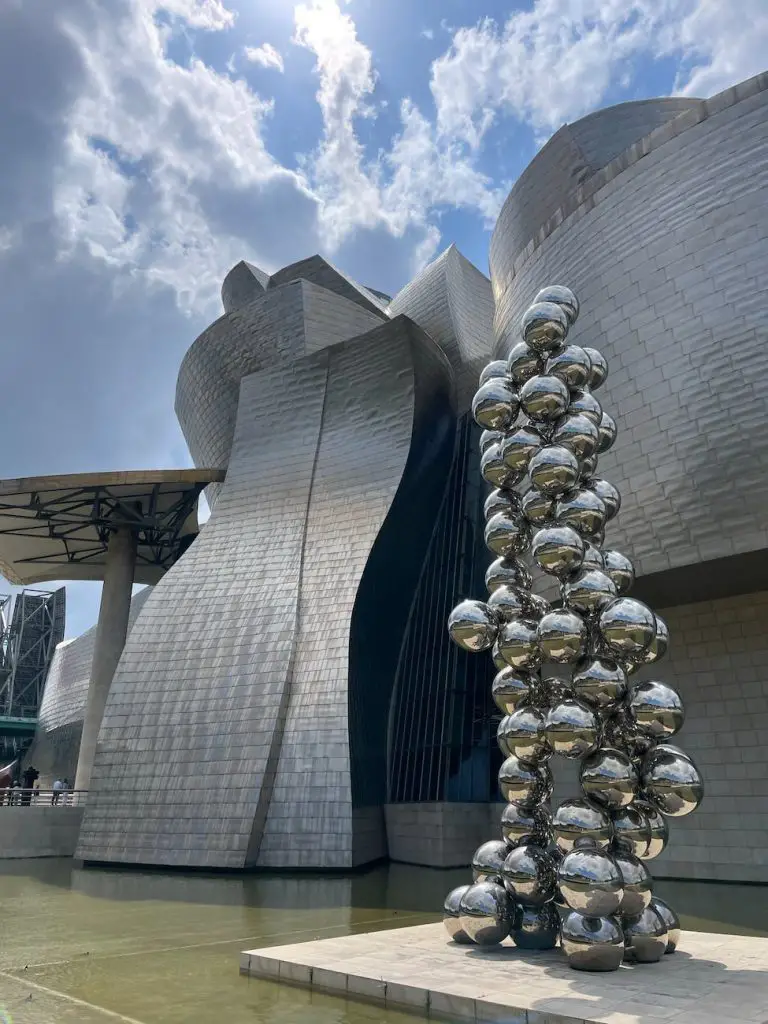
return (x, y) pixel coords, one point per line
(721, 45)
(266, 56)
(427, 33)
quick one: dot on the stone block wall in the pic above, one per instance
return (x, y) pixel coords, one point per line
(39, 831)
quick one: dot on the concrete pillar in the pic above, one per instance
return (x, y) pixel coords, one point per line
(110, 640)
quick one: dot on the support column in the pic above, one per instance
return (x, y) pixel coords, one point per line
(110, 640)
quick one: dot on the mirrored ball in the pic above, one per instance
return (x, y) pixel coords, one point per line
(673, 785)
(537, 927)
(451, 915)
(518, 644)
(577, 433)
(506, 535)
(645, 936)
(636, 881)
(497, 368)
(656, 709)
(609, 778)
(473, 626)
(592, 943)
(572, 729)
(671, 922)
(572, 365)
(562, 297)
(544, 398)
(544, 326)
(521, 734)
(591, 882)
(553, 470)
(562, 636)
(558, 550)
(520, 827)
(510, 689)
(488, 861)
(526, 785)
(507, 572)
(620, 569)
(577, 822)
(522, 363)
(627, 627)
(496, 404)
(486, 914)
(530, 875)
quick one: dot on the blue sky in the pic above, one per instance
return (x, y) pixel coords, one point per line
(148, 145)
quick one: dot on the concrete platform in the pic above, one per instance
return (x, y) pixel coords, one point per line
(712, 979)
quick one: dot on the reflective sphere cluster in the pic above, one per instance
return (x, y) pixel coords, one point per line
(565, 684)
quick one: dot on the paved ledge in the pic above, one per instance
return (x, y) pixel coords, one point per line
(712, 979)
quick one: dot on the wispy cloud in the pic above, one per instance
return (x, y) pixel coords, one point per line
(266, 56)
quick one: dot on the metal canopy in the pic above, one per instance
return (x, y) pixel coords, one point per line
(57, 527)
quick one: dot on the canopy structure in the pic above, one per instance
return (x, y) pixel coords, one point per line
(58, 527)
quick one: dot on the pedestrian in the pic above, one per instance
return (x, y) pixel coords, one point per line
(67, 794)
(16, 792)
(29, 777)
(58, 787)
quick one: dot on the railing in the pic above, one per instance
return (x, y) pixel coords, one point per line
(16, 797)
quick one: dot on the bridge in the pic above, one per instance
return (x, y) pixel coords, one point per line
(10, 725)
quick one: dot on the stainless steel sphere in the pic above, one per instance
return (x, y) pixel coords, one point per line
(658, 750)
(553, 470)
(507, 572)
(609, 778)
(486, 914)
(488, 862)
(636, 883)
(451, 915)
(506, 535)
(544, 326)
(526, 785)
(659, 829)
(578, 434)
(501, 501)
(558, 550)
(489, 437)
(537, 508)
(673, 785)
(631, 830)
(521, 734)
(599, 368)
(591, 882)
(671, 922)
(608, 431)
(588, 467)
(645, 936)
(593, 557)
(656, 709)
(572, 729)
(620, 569)
(572, 365)
(608, 494)
(496, 404)
(519, 447)
(510, 689)
(473, 626)
(659, 644)
(507, 603)
(627, 627)
(530, 875)
(497, 368)
(518, 644)
(544, 399)
(522, 363)
(586, 403)
(577, 823)
(562, 297)
(521, 827)
(592, 943)
(588, 592)
(582, 510)
(562, 636)
(494, 470)
(537, 927)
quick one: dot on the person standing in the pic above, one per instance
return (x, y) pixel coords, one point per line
(58, 786)
(29, 777)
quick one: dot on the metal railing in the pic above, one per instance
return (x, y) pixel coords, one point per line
(16, 797)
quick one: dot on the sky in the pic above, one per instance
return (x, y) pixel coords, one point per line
(147, 146)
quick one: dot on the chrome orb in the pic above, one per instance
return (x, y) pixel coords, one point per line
(496, 404)
(497, 368)
(588, 592)
(627, 627)
(494, 470)
(473, 626)
(519, 447)
(581, 509)
(507, 572)
(558, 550)
(577, 433)
(608, 431)
(572, 365)
(645, 936)
(577, 823)
(521, 827)
(659, 829)
(593, 557)
(510, 689)
(507, 603)
(659, 644)
(537, 508)
(586, 403)
(608, 494)
(451, 915)
(620, 569)
(544, 326)
(572, 729)
(631, 830)
(522, 364)
(506, 535)
(599, 368)
(485, 913)
(636, 883)
(588, 467)
(530, 876)
(521, 735)
(562, 297)
(609, 778)
(673, 785)
(656, 709)
(489, 437)
(488, 862)
(592, 943)
(501, 501)
(671, 921)
(519, 645)
(526, 785)
(553, 470)
(537, 927)
(562, 636)
(544, 399)
(591, 882)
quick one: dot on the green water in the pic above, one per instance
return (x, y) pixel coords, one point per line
(95, 946)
